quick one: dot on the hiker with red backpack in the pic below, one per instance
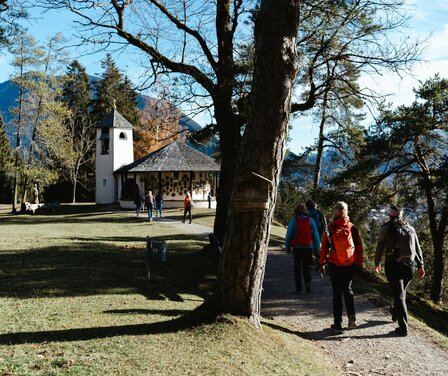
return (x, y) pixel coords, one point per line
(399, 242)
(342, 245)
(302, 236)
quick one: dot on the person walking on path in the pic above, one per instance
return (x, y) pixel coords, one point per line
(399, 242)
(159, 204)
(138, 200)
(149, 203)
(317, 216)
(188, 204)
(302, 236)
(345, 252)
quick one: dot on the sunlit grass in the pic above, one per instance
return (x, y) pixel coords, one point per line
(75, 300)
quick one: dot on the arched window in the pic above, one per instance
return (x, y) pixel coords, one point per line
(123, 136)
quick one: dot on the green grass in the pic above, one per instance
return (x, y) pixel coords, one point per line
(75, 300)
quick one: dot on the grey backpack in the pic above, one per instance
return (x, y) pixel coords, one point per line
(405, 248)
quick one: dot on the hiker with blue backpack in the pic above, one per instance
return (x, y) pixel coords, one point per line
(403, 255)
(303, 237)
(317, 216)
(342, 246)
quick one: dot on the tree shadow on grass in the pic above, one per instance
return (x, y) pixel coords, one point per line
(161, 312)
(92, 267)
(197, 317)
(101, 217)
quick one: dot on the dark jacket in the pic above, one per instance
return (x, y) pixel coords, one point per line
(387, 241)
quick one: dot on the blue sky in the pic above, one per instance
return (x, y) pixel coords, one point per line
(427, 18)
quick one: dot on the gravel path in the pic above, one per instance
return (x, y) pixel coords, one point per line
(370, 349)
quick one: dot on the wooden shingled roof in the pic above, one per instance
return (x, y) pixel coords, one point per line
(177, 156)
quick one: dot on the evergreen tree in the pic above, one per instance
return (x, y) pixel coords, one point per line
(40, 111)
(26, 57)
(76, 94)
(115, 90)
(41, 142)
(406, 151)
(6, 164)
(10, 13)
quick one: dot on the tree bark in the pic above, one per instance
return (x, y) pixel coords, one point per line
(229, 143)
(437, 231)
(242, 266)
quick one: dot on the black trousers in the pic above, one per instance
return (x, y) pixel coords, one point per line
(187, 210)
(399, 276)
(303, 258)
(341, 281)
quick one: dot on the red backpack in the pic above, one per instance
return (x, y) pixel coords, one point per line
(303, 235)
(344, 247)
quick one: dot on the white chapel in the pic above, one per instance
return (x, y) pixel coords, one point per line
(171, 170)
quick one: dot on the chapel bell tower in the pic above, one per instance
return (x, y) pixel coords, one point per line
(114, 149)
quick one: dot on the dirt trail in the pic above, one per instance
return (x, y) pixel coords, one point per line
(370, 349)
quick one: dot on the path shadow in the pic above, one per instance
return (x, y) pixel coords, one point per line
(328, 334)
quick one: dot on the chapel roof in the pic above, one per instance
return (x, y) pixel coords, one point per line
(114, 120)
(177, 156)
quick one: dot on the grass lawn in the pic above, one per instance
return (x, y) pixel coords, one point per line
(74, 300)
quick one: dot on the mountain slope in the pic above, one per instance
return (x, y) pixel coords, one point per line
(9, 94)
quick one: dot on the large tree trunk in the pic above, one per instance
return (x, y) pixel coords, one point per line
(438, 241)
(226, 120)
(229, 142)
(437, 231)
(439, 268)
(243, 261)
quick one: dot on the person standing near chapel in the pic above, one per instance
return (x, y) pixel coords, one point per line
(187, 206)
(303, 238)
(345, 253)
(403, 255)
(159, 204)
(209, 199)
(138, 200)
(149, 203)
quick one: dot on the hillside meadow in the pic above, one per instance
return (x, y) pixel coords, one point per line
(75, 300)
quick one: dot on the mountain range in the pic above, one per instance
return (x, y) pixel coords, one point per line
(9, 93)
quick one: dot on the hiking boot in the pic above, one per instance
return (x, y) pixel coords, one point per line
(336, 328)
(401, 332)
(392, 312)
(352, 322)
(308, 287)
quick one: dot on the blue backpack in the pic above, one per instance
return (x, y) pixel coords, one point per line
(318, 219)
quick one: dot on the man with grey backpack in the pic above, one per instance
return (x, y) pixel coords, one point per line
(403, 256)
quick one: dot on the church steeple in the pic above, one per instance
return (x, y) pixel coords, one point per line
(114, 149)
